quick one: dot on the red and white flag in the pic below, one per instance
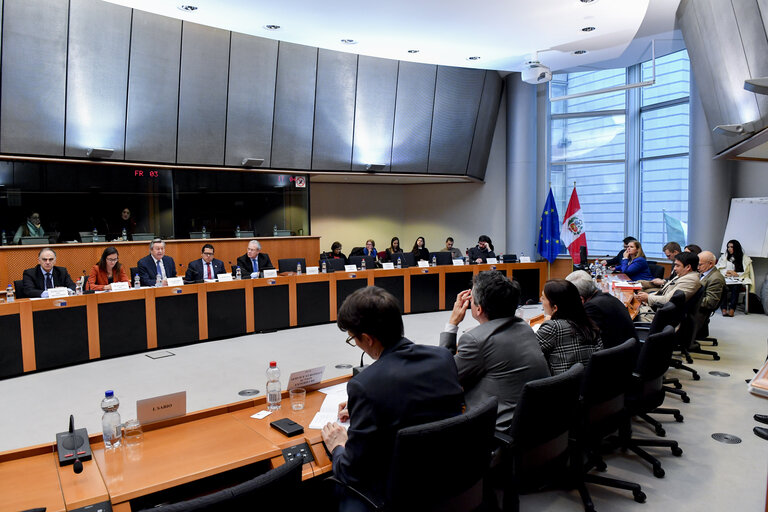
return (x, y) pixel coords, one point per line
(573, 234)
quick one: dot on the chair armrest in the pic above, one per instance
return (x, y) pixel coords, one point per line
(348, 488)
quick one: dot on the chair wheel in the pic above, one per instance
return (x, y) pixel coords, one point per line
(661, 432)
(678, 385)
(686, 399)
(639, 496)
(689, 359)
(716, 357)
(658, 472)
(696, 376)
(677, 451)
(679, 417)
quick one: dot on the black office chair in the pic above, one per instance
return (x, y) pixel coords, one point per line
(442, 258)
(134, 271)
(267, 491)
(700, 331)
(686, 333)
(356, 251)
(289, 264)
(536, 450)
(370, 261)
(606, 381)
(657, 271)
(440, 466)
(409, 260)
(332, 264)
(666, 315)
(18, 287)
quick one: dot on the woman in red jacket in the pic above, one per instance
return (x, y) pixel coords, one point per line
(107, 271)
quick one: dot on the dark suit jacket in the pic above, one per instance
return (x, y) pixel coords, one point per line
(196, 272)
(34, 284)
(616, 260)
(612, 317)
(497, 358)
(408, 385)
(244, 262)
(148, 270)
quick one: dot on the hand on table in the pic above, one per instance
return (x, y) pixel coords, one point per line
(658, 282)
(460, 307)
(334, 435)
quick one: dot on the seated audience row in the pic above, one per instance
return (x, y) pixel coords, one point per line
(477, 254)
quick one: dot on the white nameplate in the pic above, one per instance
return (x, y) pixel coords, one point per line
(58, 292)
(175, 281)
(305, 378)
(121, 286)
(525, 259)
(162, 407)
(388, 266)
(312, 270)
(224, 277)
(492, 261)
(423, 263)
(270, 273)
(350, 268)
(458, 262)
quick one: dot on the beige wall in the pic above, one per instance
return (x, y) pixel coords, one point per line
(352, 213)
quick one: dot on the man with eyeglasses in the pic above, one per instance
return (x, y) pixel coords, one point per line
(207, 267)
(407, 385)
(156, 263)
(46, 275)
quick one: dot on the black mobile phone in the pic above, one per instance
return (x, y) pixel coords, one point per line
(287, 426)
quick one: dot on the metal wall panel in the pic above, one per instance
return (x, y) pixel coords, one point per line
(457, 99)
(203, 95)
(755, 46)
(97, 77)
(413, 117)
(334, 110)
(153, 88)
(375, 112)
(34, 68)
(252, 72)
(485, 126)
(294, 107)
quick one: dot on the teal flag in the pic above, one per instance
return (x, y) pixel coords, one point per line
(549, 230)
(677, 230)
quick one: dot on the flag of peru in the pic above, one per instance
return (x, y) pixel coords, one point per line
(573, 233)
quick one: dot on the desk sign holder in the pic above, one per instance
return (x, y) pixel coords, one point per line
(306, 378)
(175, 281)
(223, 277)
(161, 407)
(270, 273)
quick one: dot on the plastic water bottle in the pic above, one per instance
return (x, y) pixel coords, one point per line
(4, 239)
(238, 273)
(274, 230)
(434, 260)
(95, 235)
(273, 387)
(362, 264)
(205, 233)
(79, 286)
(325, 268)
(158, 280)
(237, 232)
(110, 421)
(9, 297)
(125, 235)
(137, 281)
(298, 268)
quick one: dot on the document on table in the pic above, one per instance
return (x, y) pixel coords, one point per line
(329, 411)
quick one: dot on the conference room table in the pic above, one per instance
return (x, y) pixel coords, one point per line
(40, 334)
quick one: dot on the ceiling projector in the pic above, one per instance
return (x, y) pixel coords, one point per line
(534, 72)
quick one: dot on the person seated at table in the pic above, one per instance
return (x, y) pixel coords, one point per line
(420, 252)
(335, 253)
(31, 227)
(207, 267)
(498, 357)
(686, 280)
(608, 312)
(734, 263)
(634, 264)
(616, 260)
(254, 261)
(370, 249)
(156, 263)
(695, 249)
(394, 248)
(713, 283)
(482, 251)
(455, 251)
(107, 271)
(409, 384)
(569, 336)
(46, 275)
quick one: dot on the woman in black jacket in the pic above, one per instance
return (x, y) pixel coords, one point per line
(419, 249)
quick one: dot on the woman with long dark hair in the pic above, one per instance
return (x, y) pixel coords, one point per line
(420, 250)
(569, 336)
(394, 247)
(734, 263)
(107, 271)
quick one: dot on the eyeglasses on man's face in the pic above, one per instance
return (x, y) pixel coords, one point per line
(351, 341)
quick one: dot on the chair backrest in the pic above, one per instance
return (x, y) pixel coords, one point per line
(289, 264)
(652, 364)
(269, 491)
(435, 462)
(18, 287)
(142, 237)
(443, 258)
(356, 251)
(666, 315)
(134, 271)
(657, 271)
(370, 261)
(688, 323)
(409, 260)
(332, 264)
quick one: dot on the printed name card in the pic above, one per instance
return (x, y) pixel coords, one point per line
(162, 407)
(312, 270)
(121, 286)
(305, 378)
(492, 261)
(525, 259)
(458, 262)
(270, 273)
(350, 268)
(423, 263)
(224, 277)
(175, 281)
(58, 292)
(388, 266)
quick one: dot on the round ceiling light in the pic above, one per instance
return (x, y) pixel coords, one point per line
(580, 52)
(413, 51)
(474, 57)
(588, 29)
(588, 1)
(188, 8)
(272, 27)
(349, 41)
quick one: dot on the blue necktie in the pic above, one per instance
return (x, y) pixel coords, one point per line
(255, 264)
(159, 270)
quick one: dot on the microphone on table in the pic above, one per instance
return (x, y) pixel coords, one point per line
(358, 369)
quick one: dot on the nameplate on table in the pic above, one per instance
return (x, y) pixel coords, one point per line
(525, 259)
(492, 261)
(350, 268)
(313, 270)
(161, 407)
(458, 262)
(224, 277)
(305, 378)
(388, 266)
(423, 263)
(270, 273)
(121, 286)
(58, 292)
(175, 281)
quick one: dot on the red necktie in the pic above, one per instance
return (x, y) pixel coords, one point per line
(210, 276)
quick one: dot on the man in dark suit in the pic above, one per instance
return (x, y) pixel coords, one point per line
(616, 260)
(46, 275)
(254, 261)
(499, 356)
(408, 385)
(608, 312)
(713, 283)
(156, 262)
(207, 267)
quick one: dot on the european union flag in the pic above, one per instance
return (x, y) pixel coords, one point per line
(549, 230)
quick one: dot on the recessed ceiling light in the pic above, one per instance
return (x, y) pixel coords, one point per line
(413, 51)
(588, 29)
(588, 1)
(580, 52)
(271, 27)
(474, 57)
(188, 8)
(349, 41)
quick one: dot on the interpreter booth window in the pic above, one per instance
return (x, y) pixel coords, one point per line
(66, 202)
(626, 151)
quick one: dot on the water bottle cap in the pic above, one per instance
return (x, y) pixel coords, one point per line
(109, 393)
(273, 364)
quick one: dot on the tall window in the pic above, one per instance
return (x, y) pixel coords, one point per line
(626, 151)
